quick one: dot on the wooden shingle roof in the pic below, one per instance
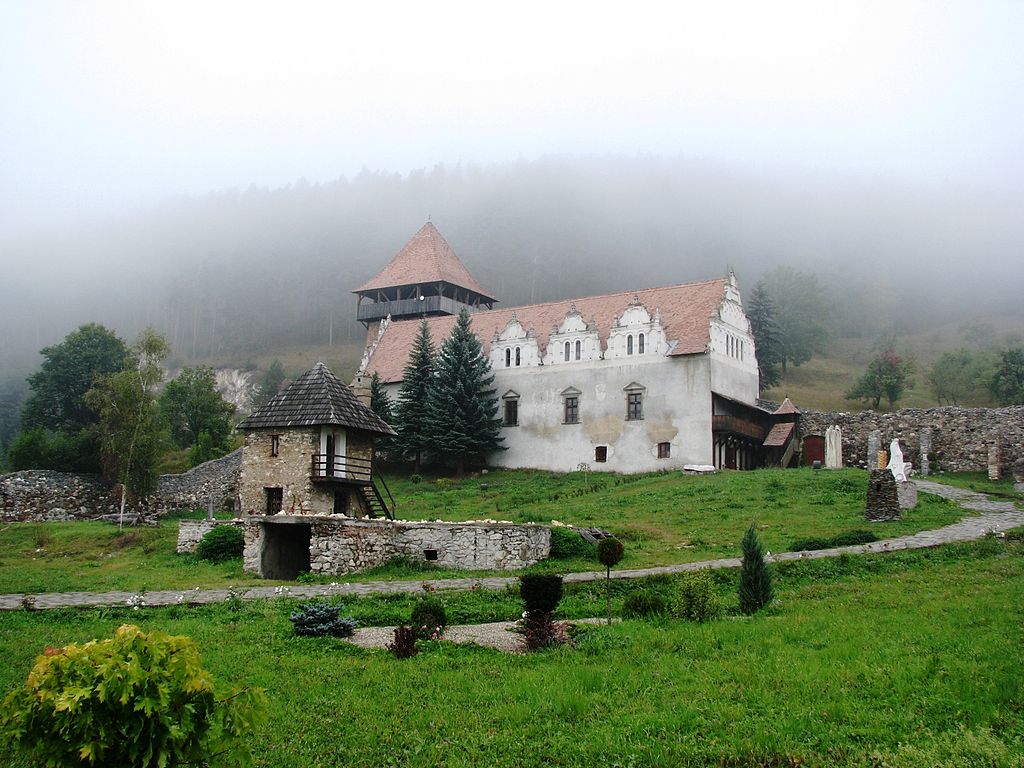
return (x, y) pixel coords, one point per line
(316, 398)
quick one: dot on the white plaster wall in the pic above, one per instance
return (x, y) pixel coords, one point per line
(677, 410)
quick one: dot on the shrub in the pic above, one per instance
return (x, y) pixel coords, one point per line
(322, 620)
(755, 590)
(415, 478)
(644, 603)
(136, 699)
(540, 591)
(404, 645)
(696, 599)
(540, 631)
(565, 543)
(609, 551)
(845, 539)
(221, 543)
(429, 617)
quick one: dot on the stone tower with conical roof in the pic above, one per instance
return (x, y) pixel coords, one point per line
(424, 279)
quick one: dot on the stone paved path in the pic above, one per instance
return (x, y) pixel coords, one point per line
(994, 516)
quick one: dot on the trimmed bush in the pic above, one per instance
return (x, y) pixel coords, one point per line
(610, 551)
(755, 590)
(429, 617)
(566, 543)
(220, 544)
(540, 591)
(137, 699)
(643, 604)
(404, 645)
(696, 598)
(845, 539)
(322, 620)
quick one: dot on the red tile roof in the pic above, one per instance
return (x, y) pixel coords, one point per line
(686, 312)
(426, 258)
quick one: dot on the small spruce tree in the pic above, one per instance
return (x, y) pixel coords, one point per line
(411, 410)
(462, 407)
(755, 590)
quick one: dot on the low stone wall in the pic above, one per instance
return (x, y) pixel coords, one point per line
(191, 532)
(40, 495)
(960, 438)
(342, 545)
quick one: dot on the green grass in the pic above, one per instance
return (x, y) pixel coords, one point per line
(662, 518)
(978, 481)
(911, 659)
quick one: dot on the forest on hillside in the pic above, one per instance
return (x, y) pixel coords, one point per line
(232, 275)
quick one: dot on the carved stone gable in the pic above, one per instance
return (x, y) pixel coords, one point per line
(573, 340)
(636, 333)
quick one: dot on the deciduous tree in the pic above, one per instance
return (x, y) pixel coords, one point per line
(1007, 382)
(888, 376)
(129, 427)
(962, 377)
(462, 417)
(191, 406)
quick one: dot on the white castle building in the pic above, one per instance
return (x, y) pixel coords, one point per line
(634, 381)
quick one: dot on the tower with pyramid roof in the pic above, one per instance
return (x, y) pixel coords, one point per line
(424, 279)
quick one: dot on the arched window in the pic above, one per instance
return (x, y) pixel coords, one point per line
(567, 351)
(508, 357)
(629, 344)
(640, 344)
(578, 348)
(518, 357)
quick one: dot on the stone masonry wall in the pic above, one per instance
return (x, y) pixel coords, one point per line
(39, 495)
(289, 470)
(191, 532)
(342, 545)
(960, 437)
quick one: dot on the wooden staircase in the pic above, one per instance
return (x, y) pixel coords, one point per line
(376, 503)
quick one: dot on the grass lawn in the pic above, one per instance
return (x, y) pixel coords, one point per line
(662, 518)
(911, 659)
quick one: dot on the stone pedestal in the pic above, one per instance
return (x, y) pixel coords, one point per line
(926, 448)
(883, 502)
(906, 494)
(994, 456)
(874, 443)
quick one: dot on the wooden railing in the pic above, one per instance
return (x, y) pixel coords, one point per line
(342, 468)
(738, 426)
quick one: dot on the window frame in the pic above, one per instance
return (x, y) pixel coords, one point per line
(275, 445)
(664, 450)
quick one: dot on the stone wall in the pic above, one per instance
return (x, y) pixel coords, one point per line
(290, 471)
(191, 532)
(37, 495)
(960, 437)
(341, 545)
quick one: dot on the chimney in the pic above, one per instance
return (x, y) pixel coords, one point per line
(361, 388)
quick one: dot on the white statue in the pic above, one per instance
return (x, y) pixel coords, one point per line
(896, 465)
(833, 447)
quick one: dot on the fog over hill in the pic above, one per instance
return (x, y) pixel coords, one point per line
(239, 271)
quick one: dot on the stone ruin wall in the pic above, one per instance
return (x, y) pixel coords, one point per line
(960, 437)
(342, 545)
(40, 495)
(191, 532)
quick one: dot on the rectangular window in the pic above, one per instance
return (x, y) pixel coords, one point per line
(664, 450)
(275, 499)
(601, 453)
(634, 406)
(511, 413)
(275, 445)
(572, 410)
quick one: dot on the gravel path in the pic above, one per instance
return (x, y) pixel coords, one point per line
(993, 516)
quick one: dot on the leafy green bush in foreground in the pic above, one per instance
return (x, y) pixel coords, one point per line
(136, 699)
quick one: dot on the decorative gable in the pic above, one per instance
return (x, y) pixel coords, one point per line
(635, 332)
(573, 340)
(729, 333)
(514, 346)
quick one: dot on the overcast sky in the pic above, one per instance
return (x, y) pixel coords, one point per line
(108, 106)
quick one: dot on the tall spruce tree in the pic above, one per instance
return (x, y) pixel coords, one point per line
(765, 329)
(755, 591)
(380, 403)
(411, 409)
(463, 408)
